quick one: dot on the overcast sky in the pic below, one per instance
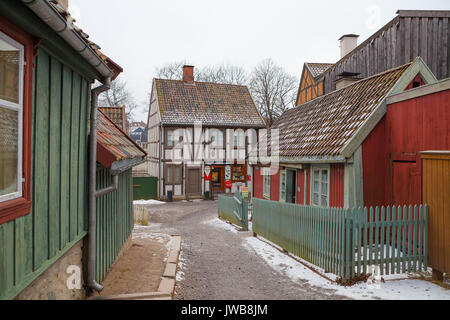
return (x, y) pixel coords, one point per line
(141, 35)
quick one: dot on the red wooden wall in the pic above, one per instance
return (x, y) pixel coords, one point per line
(337, 185)
(391, 154)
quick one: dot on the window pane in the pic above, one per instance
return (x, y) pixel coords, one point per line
(8, 151)
(9, 72)
(316, 186)
(325, 175)
(170, 138)
(324, 202)
(169, 175)
(316, 199)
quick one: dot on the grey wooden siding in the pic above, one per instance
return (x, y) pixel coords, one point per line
(398, 43)
(29, 245)
(114, 219)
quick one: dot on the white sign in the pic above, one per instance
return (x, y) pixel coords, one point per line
(228, 173)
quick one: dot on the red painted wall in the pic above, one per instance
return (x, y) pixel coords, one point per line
(257, 183)
(301, 185)
(394, 146)
(337, 185)
(375, 163)
(275, 187)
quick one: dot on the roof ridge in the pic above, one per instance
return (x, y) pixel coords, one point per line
(357, 82)
(206, 82)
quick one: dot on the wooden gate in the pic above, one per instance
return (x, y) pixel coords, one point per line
(436, 192)
(234, 209)
(194, 182)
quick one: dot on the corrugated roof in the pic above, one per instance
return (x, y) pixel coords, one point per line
(213, 104)
(117, 142)
(317, 69)
(323, 126)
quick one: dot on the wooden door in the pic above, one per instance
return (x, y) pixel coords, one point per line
(406, 184)
(218, 179)
(290, 186)
(194, 182)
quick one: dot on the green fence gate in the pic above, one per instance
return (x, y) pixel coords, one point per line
(145, 188)
(348, 242)
(234, 208)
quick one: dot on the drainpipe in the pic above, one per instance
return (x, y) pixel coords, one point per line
(92, 283)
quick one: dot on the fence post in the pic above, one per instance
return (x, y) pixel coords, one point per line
(425, 237)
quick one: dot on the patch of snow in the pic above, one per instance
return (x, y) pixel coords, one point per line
(181, 266)
(410, 289)
(147, 202)
(220, 224)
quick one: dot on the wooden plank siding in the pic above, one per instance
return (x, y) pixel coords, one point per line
(114, 219)
(436, 188)
(29, 245)
(399, 42)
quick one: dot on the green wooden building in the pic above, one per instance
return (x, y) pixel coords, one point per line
(47, 71)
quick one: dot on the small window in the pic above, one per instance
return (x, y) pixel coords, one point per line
(216, 138)
(174, 137)
(283, 186)
(11, 118)
(174, 174)
(266, 182)
(239, 139)
(320, 186)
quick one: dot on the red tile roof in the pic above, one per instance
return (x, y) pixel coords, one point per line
(115, 141)
(213, 104)
(117, 115)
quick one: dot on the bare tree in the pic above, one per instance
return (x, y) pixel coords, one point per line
(223, 74)
(216, 74)
(171, 71)
(273, 90)
(119, 96)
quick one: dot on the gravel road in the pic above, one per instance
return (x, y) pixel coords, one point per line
(216, 265)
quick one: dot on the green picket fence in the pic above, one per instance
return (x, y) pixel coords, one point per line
(348, 242)
(234, 208)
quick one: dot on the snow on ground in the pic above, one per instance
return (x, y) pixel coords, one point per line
(220, 224)
(181, 267)
(390, 290)
(147, 202)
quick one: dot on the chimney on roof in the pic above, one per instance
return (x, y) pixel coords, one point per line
(348, 43)
(64, 3)
(188, 74)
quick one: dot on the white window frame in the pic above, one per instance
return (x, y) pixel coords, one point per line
(283, 190)
(320, 168)
(239, 139)
(218, 136)
(267, 180)
(18, 107)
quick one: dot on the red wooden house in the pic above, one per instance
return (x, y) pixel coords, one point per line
(359, 146)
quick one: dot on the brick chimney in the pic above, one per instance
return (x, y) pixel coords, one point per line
(64, 3)
(348, 43)
(188, 74)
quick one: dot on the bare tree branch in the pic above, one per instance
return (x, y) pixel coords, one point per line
(118, 96)
(273, 90)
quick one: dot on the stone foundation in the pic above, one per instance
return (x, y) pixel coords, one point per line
(52, 284)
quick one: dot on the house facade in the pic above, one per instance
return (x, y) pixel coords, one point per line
(199, 135)
(410, 34)
(358, 146)
(48, 69)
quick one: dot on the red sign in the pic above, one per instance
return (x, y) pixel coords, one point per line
(228, 184)
(249, 178)
(208, 173)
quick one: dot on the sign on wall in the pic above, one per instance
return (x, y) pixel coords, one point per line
(228, 173)
(207, 173)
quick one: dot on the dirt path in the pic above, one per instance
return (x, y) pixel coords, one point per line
(215, 263)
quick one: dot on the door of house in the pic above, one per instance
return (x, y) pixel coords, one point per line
(194, 182)
(291, 185)
(406, 183)
(218, 179)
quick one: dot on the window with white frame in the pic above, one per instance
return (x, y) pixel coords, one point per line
(216, 138)
(266, 182)
(239, 139)
(320, 186)
(283, 178)
(11, 117)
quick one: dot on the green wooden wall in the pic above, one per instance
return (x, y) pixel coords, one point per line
(29, 245)
(145, 188)
(114, 219)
